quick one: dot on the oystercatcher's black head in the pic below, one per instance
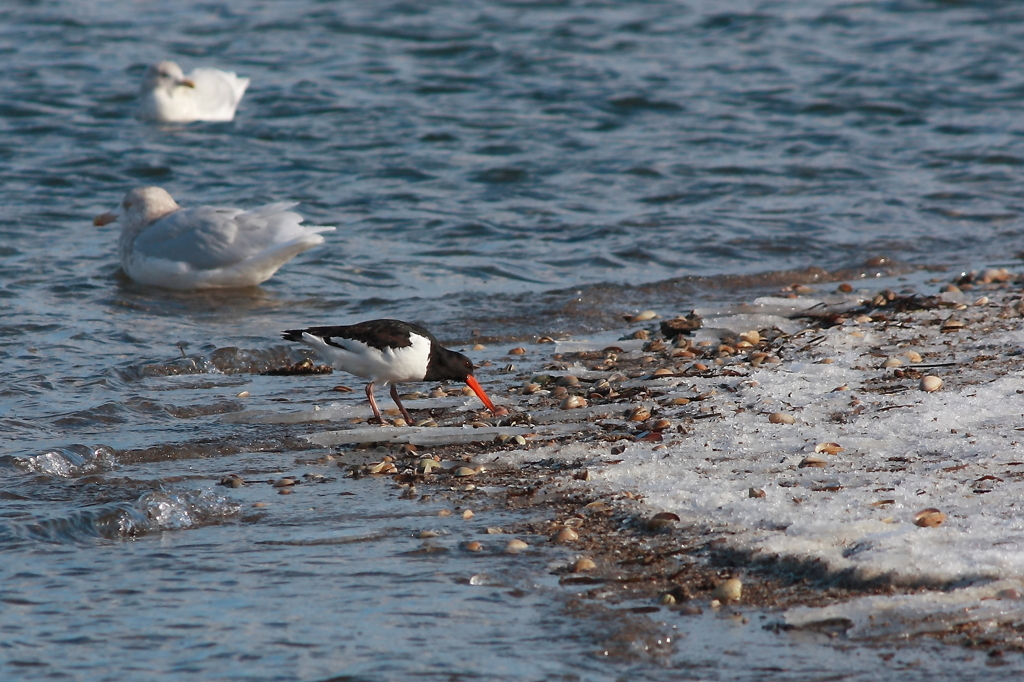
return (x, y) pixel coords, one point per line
(449, 364)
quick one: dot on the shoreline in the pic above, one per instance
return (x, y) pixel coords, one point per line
(648, 401)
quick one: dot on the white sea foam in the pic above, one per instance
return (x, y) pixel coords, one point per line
(70, 461)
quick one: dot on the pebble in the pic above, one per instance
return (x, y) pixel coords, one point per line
(583, 565)
(642, 316)
(494, 530)
(468, 514)
(728, 590)
(243, 394)
(232, 481)
(661, 425)
(565, 535)
(661, 521)
(515, 547)
(929, 518)
(385, 467)
(752, 337)
(518, 350)
(462, 472)
(913, 356)
(573, 402)
(829, 448)
(756, 493)
(284, 482)
(667, 599)
(892, 362)
(428, 534)
(473, 546)
(812, 461)
(479, 346)
(559, 392)
(930, 383)
(426, 465)
(995, 275)
(639, 414)
(781, 418)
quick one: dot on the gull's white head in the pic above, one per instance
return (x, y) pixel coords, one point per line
(165, 76)
(140, 207)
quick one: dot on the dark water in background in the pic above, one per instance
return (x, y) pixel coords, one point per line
(500, 167)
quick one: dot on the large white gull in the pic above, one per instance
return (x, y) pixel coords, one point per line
(168, 96)
(165, 245)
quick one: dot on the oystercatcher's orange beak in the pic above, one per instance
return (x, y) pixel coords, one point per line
(104, 218)
(479, 390)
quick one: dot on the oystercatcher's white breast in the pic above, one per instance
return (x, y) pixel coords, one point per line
(389, 366)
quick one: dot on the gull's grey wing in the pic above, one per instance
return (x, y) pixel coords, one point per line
(208, 237)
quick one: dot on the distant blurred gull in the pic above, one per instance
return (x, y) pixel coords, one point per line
(164, 245)
(205, 95)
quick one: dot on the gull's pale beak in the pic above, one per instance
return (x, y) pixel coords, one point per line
(187, 82)
(104, 218)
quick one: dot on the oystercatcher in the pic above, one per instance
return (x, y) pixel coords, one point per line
(165, 245)
(167, 96)
(389, 352)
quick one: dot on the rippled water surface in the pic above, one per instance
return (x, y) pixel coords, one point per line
(504, 169)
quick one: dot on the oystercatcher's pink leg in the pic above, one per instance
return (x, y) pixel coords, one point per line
(405, 412)
(373, 403)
